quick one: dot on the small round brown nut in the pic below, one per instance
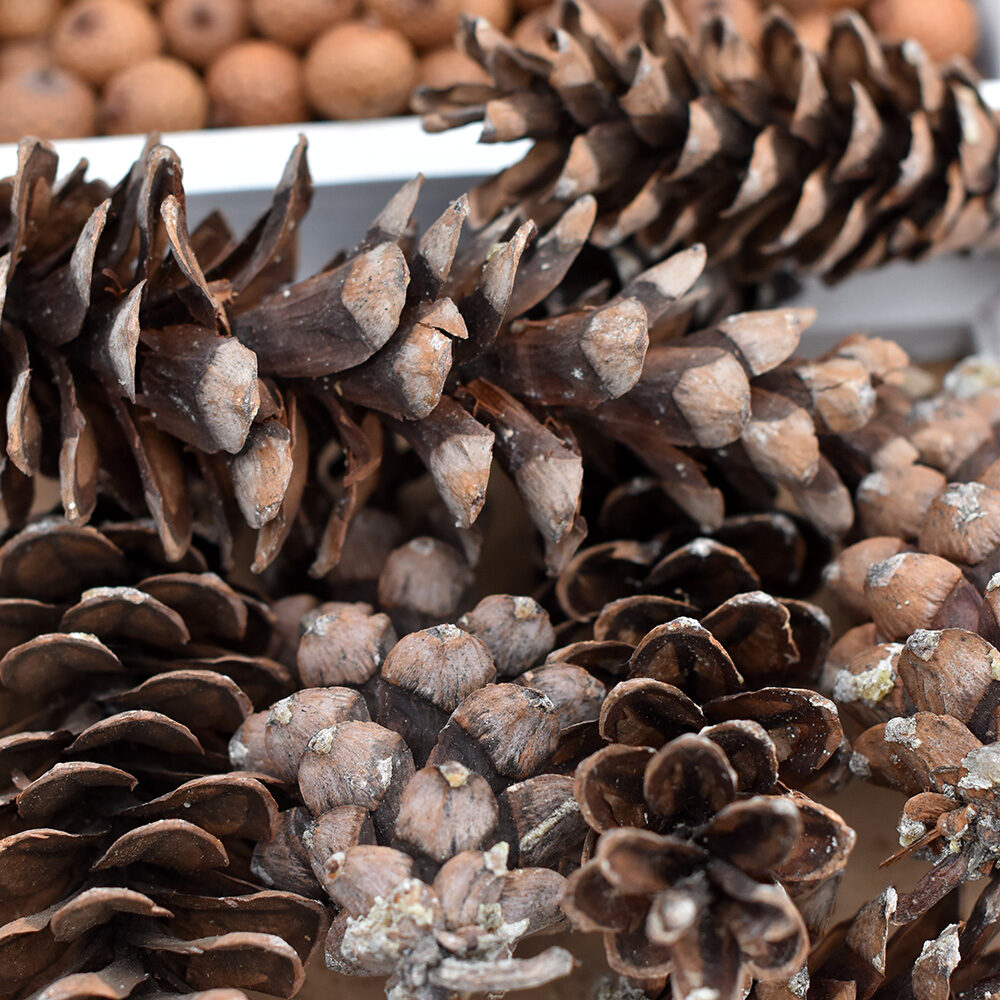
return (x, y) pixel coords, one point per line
(27, 18)
(158, 95)
(48, 103)
(296, 23)
(446, 66)
(345, 72)
(256, 83)
(98, 38)
(425, 23)
(945, 28)
(25, 56)
(199, 30)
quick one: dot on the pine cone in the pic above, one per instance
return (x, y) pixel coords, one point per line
(700, 894)
(184, 377)
(777, 158)
(703, 730)
(940, 954)
(124, 838)
(928, 693)
(455, 772)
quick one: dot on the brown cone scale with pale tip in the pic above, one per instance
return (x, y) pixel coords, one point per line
(196, 382)
(123, 831)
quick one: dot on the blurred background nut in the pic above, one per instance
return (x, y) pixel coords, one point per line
(50, 103)
(256, 83)
(97, 38)
(345, 72)
(199, 30)
(26, 18)
(158, 95)
(296, 23)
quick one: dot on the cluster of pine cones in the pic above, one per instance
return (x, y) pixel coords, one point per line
(289, 666)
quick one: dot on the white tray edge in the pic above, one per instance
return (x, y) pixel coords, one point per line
(217, 161)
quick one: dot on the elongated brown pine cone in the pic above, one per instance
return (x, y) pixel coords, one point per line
(186, 377)
(408, 822)
(776, 157)
(124, 834)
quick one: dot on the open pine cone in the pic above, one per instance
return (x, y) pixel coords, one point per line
(777, 158)
(123, 834)
(184, 377)
(408, 823)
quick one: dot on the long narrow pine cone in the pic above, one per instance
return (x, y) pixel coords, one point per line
(124, 835)
(776, 157)
(184, 377)
(439, 831)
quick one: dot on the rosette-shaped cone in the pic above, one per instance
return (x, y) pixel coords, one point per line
(461, 759)
(776, 157)
(124, 835)
(697, 842)
(689, 641)
(188, 377)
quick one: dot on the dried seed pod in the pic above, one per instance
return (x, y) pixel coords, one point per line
(422, 583)
(828, 188)
(504, 732)
(284, 860)
(948, 671)
(962, 523)
(894, 501)
(330, 834)
(541, 820)
(132, 673)
(425, 677)
(409, 346)
(293, 721)
(845, 576)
